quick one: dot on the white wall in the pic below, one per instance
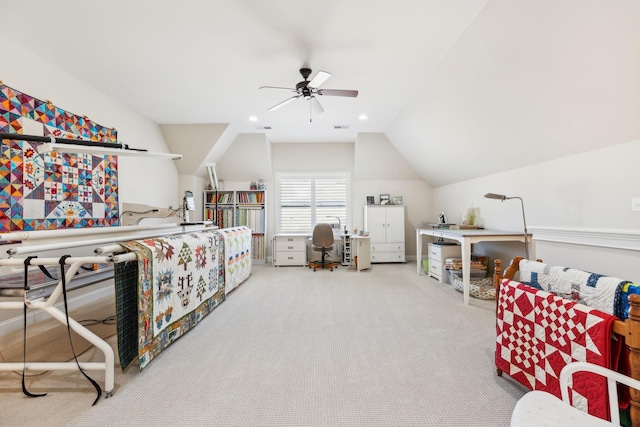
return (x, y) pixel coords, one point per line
(532, 80)
(380, 169)
(376, 168)
(589, 190)
(195, 141)
(147, 181)
(308, 157)
(247, 159)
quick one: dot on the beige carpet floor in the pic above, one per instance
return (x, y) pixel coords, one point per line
(293, 347)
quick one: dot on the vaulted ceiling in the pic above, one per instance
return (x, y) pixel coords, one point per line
(461, 88)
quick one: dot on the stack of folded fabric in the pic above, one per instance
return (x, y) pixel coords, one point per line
(476, 265)
(474, 274)
(481, 286)
(454, 266)
(477, 268)
(453, 263)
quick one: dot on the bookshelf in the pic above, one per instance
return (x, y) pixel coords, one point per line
(235, 208)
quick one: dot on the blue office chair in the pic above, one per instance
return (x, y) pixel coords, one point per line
(322, 240)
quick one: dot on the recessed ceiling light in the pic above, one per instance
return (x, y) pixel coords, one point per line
(253, 118)
(363, 117)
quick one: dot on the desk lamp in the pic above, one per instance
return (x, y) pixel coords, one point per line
(339, 224)
(502, 198)
(188, 204)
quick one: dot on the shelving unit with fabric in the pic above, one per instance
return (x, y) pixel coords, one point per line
(228, 208)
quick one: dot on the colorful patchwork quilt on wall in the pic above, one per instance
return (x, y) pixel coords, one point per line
(53, 190)
(180, 279)
(237, 261)
(539, 333)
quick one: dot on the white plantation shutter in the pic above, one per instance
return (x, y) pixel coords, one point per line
(331, 199)
(295, 204)
(305, 200)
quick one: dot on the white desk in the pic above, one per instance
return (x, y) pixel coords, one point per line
(361, 249)
(466, 239)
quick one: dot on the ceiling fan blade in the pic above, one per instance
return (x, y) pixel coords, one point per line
(315, 105)
(283, 103)
(277, 87)
(338, 92)
(319, 78)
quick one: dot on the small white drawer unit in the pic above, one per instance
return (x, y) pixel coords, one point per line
(437, 255)
(289, 249)
(387, 252)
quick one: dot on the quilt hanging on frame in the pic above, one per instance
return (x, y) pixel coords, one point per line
(237, 256)
(53, 190)
(180, 281)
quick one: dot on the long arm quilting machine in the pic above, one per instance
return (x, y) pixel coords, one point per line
(101, 241)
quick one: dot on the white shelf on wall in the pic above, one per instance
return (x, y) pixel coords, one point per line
(101, 151)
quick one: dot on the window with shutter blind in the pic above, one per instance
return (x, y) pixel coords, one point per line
(305, 200)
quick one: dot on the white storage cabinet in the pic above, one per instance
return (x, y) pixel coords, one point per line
(385, 225)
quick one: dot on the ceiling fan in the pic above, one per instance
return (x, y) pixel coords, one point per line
(310, 89)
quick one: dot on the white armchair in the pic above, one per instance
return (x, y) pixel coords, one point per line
(539, 408)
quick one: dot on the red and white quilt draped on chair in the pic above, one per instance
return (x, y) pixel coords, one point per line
(539, 333)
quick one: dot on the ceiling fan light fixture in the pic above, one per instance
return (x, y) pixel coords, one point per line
(310, 89)
(253, 119)
(363, 117)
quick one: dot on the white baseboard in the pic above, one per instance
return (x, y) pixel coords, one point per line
(16, 323)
